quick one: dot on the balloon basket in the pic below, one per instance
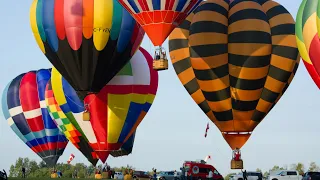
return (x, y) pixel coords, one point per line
(236, 164)
(54, 175)
(160, 64)
(86, 116)
(98, 176)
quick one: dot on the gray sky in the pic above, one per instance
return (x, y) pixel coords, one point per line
(173, 130)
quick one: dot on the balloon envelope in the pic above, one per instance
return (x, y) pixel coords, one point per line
(307, 35)
(88, 42)
(126, 148)
(159, 17)
(117, 110)
(235, 60)
(24, 108)
(64, 122)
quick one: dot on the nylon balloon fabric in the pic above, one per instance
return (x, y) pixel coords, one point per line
(126, 148)
(117, 110)
(236, 59)
(159, 17)
(88, 42)
(25, 111)
(64, 122)
(307, 35)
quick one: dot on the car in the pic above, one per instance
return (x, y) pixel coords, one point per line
(141, 175)
(200, 170)
(118, 175)
(168, 175)
(286, 175)
(311, 176)
(251, 175)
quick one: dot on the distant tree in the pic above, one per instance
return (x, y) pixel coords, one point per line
(42, 164)
(258, 170)
(12, 172)
(313, 167)
(228, 176)
(265, 174)
(32, 168)
(298, 167)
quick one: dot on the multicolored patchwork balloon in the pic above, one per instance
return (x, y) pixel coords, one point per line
(26, 112)
(88, 42)
(307, 36)
(64, 122)
(117, 110)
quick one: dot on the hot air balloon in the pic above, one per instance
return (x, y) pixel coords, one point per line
(307, 35)
(65, 123)
(236, 59)
(126, 148)
(117, 110)
(24, 108)
(88, 42)
(158, 18)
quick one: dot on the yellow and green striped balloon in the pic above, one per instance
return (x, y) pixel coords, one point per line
(307, 35)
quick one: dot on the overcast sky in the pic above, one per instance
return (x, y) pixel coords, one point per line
(173, 130)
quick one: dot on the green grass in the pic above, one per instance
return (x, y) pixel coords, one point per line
(47, 178)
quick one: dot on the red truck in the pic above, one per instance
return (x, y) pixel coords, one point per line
(200, 170)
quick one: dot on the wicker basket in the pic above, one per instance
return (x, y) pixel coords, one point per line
(160, 64)
(86, 116)
(236, 164)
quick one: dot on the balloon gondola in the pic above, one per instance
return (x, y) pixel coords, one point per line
(236, 59)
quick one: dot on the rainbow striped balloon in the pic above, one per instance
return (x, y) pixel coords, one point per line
(307, 35)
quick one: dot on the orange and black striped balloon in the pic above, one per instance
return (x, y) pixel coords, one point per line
(236, 59)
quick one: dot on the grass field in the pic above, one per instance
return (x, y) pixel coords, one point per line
(47, 178)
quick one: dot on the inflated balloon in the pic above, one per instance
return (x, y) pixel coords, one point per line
(24, 108)
(65, 123)
(159, 17)
(236, 59)
(307, 35)
(117, 110)
(88, 42)
(126, 148)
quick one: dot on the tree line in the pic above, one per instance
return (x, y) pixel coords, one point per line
(300, 167)
(40, 170)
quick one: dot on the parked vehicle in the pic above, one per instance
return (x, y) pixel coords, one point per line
(141, 175)
(118, 175)
(286, 175)
(251, 175)
(311, 176)
(167, 175)
(200, 170)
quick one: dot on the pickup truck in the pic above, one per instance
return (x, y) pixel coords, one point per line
(286, 175)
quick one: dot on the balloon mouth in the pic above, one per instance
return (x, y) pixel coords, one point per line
(236, 139)
(82, 94)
